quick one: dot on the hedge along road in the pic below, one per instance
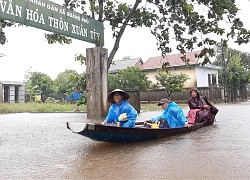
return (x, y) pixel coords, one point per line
(39, 146)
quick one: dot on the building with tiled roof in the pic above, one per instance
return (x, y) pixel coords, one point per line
(174, 60)
(119, 65)
(200, 76)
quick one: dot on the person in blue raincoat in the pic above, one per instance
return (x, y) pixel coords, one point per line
(172, 115)
(120, 111)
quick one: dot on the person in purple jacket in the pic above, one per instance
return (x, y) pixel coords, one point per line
(200, 108)
(120, 110)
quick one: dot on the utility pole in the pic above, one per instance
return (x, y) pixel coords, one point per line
(224, 65)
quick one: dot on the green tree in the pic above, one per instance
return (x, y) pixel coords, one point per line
(172, 82)
(245, 60)
(63, 81)
(237, 76)
(78, 83)
(232, 61)
(192, 22)
(39, 83)
(129, 78)
(228, 53)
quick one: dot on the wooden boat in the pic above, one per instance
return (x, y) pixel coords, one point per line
(112, 133)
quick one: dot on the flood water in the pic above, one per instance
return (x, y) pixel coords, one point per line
(39, 146)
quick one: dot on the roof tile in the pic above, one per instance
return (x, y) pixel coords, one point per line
(123, 64)
(173, 60)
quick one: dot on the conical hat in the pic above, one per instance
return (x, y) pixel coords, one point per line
(111, 95)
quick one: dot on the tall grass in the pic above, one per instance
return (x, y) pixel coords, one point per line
(38, 107)
(54, 107)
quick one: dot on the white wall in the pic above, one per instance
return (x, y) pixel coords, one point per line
(202, 76)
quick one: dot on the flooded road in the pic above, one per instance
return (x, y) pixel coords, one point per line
(39, 146)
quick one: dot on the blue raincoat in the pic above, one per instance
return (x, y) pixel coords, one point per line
(174, 115)
(115, 110)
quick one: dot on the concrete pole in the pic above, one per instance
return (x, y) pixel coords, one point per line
(97, 82)
(1, 93)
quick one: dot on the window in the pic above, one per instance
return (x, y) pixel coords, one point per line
(209, 79)
(212, 79)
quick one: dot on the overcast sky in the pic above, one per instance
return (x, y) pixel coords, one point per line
(27, 47)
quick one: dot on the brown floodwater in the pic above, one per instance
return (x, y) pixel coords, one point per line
(39, 146)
